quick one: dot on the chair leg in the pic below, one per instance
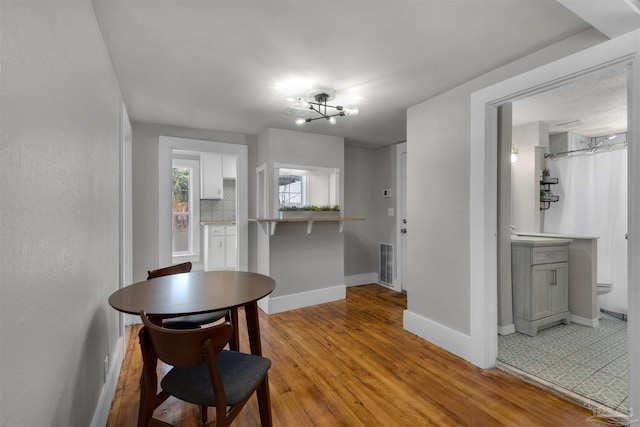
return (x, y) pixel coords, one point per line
(145, 408)
(264, 402)
(204, 415)
(234, 343)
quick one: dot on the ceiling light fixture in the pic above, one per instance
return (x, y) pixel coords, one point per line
(315, 107)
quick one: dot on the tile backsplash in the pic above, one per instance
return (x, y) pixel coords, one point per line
(220, 210)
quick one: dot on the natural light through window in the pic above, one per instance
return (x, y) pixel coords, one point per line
(185, 208)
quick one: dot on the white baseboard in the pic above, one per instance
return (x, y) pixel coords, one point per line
(361, 279)
(446, 338)
(283, 303)
(101, 414)
(594, 323)
(507, 330)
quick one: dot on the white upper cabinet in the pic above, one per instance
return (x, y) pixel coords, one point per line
(229, 167)
(211, 176)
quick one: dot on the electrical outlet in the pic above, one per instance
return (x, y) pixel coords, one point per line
(106, 368)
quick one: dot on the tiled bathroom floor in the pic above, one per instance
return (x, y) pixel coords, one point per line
(588, 362)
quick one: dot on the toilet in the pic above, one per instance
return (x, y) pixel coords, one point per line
(603, 289)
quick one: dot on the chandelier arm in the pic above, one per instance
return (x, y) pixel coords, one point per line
(317, 110)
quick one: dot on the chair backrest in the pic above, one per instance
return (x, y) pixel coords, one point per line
(185, 267)
(186, 347)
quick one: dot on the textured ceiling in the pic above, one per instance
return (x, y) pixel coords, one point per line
(229, 65)
(598, 101)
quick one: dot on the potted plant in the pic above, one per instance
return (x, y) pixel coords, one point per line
(309, 211)
(545, 175)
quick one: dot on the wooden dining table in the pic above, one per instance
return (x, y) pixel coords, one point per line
(200, 292)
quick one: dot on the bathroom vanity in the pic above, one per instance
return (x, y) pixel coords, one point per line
(540, 280)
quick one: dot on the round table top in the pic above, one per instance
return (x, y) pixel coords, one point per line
(192, 293)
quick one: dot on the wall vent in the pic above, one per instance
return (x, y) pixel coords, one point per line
(385, 273)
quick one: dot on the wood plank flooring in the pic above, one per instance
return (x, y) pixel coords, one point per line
(350, 363)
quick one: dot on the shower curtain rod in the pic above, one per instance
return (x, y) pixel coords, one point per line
(550, 156)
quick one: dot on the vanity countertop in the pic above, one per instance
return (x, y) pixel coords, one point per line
(555, 236)
(540, 240)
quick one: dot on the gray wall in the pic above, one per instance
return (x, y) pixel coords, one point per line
(146, 191)
(367, 173)
(59, 172)
(298, 261)
(360, 237)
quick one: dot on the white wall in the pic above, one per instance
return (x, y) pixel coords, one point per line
(59, 213)
(438, 140)
(525, 176)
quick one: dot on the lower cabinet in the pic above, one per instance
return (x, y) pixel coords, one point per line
(220, 248)
(540, 280)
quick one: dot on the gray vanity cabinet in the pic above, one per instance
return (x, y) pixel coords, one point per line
(540, 280)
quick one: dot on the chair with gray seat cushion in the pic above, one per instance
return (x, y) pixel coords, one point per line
(203, 372)
(194, 320)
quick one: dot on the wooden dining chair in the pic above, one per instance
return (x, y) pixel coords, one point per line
(203, 373)
(194, 320)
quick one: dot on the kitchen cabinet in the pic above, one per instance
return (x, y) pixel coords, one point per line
(229, 167)
(211, 176)
(220, 248)
(230, 246)
(540, 280)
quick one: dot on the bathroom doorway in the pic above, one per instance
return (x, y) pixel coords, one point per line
(587, 360)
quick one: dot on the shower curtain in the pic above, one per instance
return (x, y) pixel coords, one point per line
(593, 203)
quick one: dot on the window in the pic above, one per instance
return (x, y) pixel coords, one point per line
(185, 207)
(292, 190)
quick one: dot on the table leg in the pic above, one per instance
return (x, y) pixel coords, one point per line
(253, 327)
(234, 343)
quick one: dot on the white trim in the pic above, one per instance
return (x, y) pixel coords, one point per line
(399, 281)
(361, 279)
(593, 323)
(440, 335)
(101, 414)
(275, 305)
(507, 329)
(483, 203)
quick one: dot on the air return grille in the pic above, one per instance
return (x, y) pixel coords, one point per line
(385, 275)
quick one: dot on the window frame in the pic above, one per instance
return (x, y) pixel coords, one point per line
(193, 254)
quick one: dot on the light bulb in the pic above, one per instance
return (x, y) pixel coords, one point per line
(300, 121)
(332, 120)
(514, 157)
(351, 111)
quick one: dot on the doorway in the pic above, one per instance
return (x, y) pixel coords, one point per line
(587, 360)
(167, 147)
(483, 185)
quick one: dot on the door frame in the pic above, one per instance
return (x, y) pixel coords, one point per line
(399, 282)
(483, 190)
(166, 146)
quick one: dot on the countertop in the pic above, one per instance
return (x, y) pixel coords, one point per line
(555, 236)
(221, 223)
(540, 240)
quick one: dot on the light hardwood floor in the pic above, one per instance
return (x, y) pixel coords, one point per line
(350, 363)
